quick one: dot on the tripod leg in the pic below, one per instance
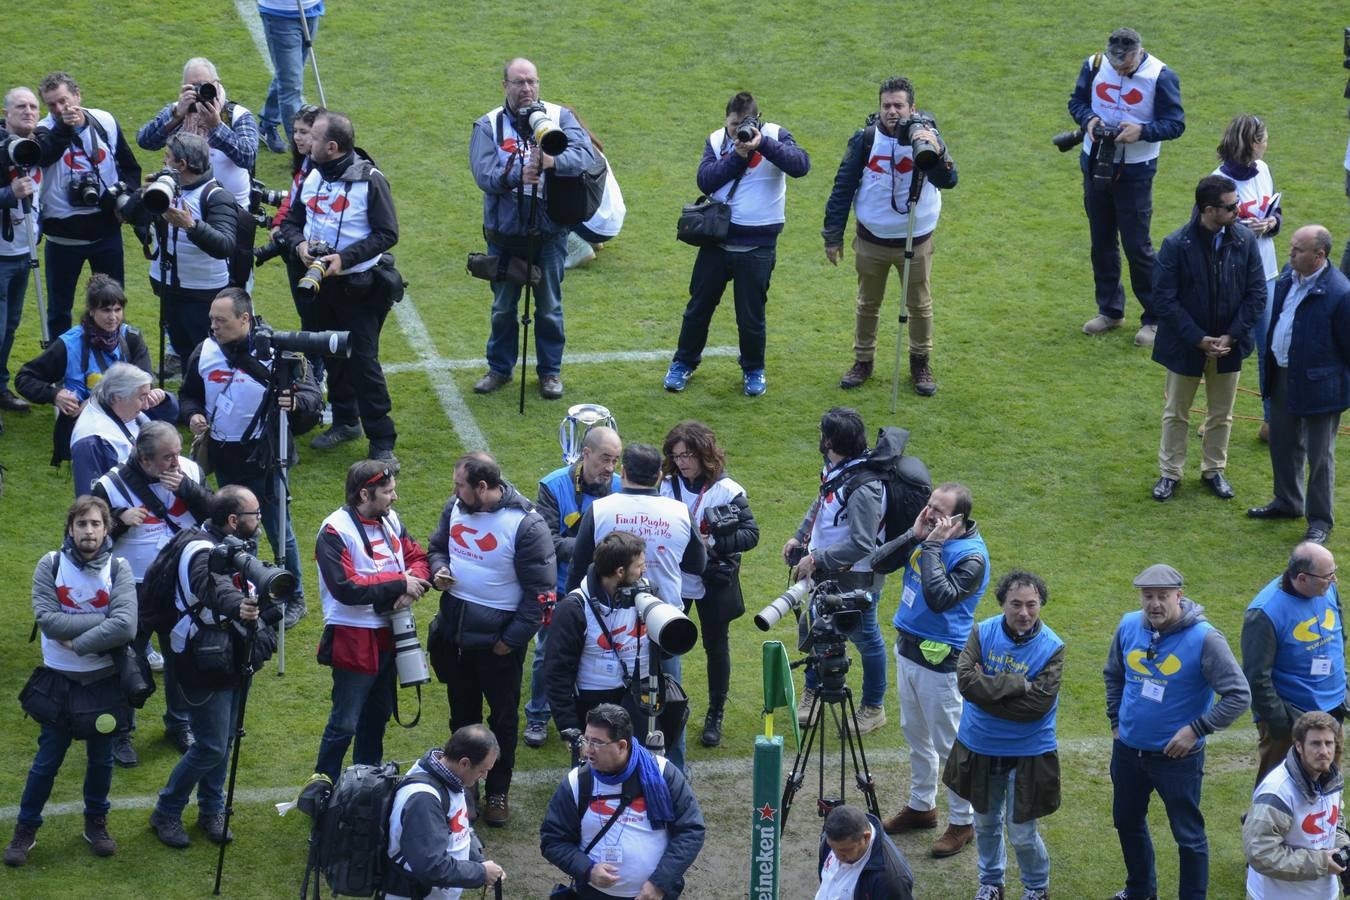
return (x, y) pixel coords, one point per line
(244, 686)
(798, 774)
(861, 776)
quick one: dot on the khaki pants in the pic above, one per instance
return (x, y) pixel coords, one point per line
(873, 263)
(1220, 394)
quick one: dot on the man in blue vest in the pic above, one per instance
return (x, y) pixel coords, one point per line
(946, 572)
(1165, 665)
(1005, 755)
(564, 496)
(1137, 98)
(1293, 651)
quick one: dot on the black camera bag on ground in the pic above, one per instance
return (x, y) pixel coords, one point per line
(905, 478)
(572, 199)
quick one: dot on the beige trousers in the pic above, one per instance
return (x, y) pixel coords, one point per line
(873, 263)
(1220, 394)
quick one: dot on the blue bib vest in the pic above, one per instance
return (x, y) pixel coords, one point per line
(990, 735)
(1163, 693)
(83, 362)
(1309, 669)
(953, 626)
(572, 505)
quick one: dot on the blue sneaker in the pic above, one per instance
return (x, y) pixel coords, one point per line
(754, 382)
(677, 377)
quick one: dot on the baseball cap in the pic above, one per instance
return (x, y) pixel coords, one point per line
(1159, 575)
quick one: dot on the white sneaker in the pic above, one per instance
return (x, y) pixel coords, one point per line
(804, 703)
(579, 251)
(870, 718)
(1100, 324)
(1145, 335)
(155, 659)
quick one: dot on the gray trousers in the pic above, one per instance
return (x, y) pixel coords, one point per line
(1294, 440)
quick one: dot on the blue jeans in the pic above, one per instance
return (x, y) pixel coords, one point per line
(503, 346)
(63, 264)
(1261, 332)
(749, 272)
(362, 705)
(1137, 774)
(867, 638)
(13, 285)
(286, 46)
(536, 708)
(1032, 858)
(52, 745)
(1124, 209)
(212, 716)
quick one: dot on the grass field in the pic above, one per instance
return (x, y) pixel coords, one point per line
(1055, 433)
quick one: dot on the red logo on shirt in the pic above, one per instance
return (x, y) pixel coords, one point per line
(1245, 211)
(339, 204)
(608, 806)
(66, 599)
(1310, 825)
(904, 165)
(509, 145)
(1129, 98)
(313, 203)
(755, 159)
(220, 376)
(637, 631)
(456, 822)
(487, 543)
(77, 160)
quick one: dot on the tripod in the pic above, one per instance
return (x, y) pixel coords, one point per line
(836, 696)
(916, 182)
(31, 227)
(531, 250)
(234, 755)
(307, 49)
(284, 366)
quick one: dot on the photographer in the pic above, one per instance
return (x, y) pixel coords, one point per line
(154, 495)
(106, 430)
(595, 642)
(368, 568)
(835, 541)
(1294, 844)
(492, 558)
(66, 372)
(946, 572)
(194, 238)
(893, 174)
(510, 171)
(695, 474)
(227, 402)
(638, 804)
(215, 616)
(1126, 108)
(345, 207)
(227, 127)
(564, 496)
(78, 221)
(85, 605)
(857, 861)
(18, 211)
(745, 165)
(667, 529)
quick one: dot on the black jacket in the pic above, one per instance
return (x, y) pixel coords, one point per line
(196, 496)
(474, 625)
(1319, 347)
(423, 843)
(214, 232)
(722, 598)
(379, 212)
(885, 876)
(1191, 305)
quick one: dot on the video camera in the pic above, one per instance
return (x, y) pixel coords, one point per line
(832, 615)
(534, 121)
(236, 556)
(667, 627)
(266, 342)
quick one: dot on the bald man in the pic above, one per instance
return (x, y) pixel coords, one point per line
(1308, 383)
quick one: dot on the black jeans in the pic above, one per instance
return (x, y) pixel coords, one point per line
(186, 313)
(749, 273)
(714, 628)
(356, 386)
(482, 675)
(1125, 209)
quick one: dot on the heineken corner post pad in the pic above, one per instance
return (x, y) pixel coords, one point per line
(766, 821)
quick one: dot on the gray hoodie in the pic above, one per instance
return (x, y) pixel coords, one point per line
(90, 632)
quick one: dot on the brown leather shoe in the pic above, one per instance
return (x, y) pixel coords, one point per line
(921, 375)
(496, 812)
(855, 376)
(953, 840)
(909, 819)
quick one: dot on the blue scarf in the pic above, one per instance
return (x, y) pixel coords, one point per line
(660, 808)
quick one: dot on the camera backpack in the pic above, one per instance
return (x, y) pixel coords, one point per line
(159, 587)
(350, 840)
(905, 478)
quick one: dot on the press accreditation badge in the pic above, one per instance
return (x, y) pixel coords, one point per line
(612, 853)
(224, 406)
(1321, 665)
(1153, 690)
(907, 596)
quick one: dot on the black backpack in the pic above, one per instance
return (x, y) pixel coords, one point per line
(351, 830)
(159, 587)
(905, 478)
(572, 199)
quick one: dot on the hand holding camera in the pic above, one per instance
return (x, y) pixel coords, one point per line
(442, 580)
(248, 610)
(22, 186)
(747, 137)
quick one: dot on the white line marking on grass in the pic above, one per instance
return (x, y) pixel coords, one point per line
(727, 767)
(452, 401)
(572, 359)
(248, 13)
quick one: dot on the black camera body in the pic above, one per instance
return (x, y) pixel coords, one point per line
(259, 193)
(926, 153)
(1341, 856)
(534, 120)
(312, 280)
(1103, 154)
(277, 246)
(722, 520)
(236, 556)
(85, 190)
(206, 92)
(745, 132)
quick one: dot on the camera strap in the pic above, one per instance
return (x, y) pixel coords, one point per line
(146, 496)
(637, 660)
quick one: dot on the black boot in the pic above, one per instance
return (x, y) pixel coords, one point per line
(921, 375)
(712, 723)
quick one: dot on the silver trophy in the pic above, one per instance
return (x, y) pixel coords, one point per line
(581, 419)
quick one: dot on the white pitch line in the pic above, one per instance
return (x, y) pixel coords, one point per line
(571, 359)
(1099, 747)
(409, 321)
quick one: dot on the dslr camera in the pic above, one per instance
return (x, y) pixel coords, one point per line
(926, 153)
(85, 189)
(312, 280)
(1103, 154)
(745, 132)
(206, 92)
(277, 246)
(236, 556)
(1342, 856)
(534, 121)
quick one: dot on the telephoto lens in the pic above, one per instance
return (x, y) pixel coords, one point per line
(789, 600)
(409, 660)
(313, 277)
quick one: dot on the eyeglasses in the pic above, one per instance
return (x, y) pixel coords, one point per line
(583, 742)
(523, 82)
(682, 457)
(256, 512)
(1330, 576)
